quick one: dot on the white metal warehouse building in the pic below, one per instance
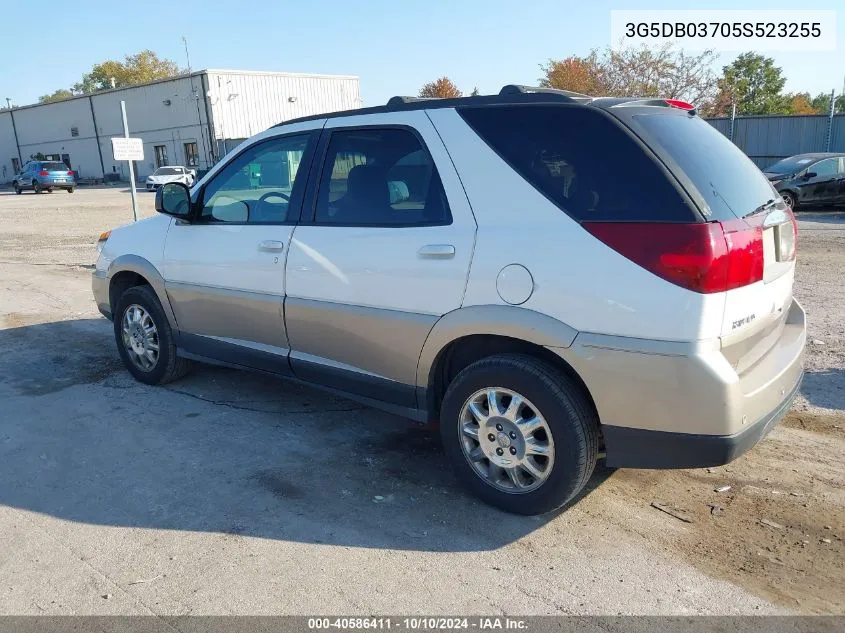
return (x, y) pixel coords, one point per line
(190, 120)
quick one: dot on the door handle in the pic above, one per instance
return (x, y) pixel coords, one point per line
(271, 246)
(436, 251)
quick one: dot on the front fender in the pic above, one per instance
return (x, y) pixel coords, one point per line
(142, 267)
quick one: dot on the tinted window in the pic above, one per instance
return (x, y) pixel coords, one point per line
(729, 182)
(581, 161)
(825, 168)
(167, 171)
(257, 185)
(53, 167)
(380, 177)
(790, 165)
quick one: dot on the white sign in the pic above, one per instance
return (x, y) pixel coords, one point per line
(127, 148)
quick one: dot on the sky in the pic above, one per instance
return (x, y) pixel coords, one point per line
(394, 47)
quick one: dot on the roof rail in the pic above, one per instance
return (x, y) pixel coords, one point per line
(394, 102)
(515, 89)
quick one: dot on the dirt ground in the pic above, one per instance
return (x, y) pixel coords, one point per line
(776, 533)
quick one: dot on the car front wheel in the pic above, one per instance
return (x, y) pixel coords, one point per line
(520, 433)
(144, 338)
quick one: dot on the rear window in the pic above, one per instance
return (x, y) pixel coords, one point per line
(53, 167)
(789, 165)
(582, 161)
(729, 182)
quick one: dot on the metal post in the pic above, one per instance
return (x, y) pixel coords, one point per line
(830, 119)
(733, 118)
(131, 164)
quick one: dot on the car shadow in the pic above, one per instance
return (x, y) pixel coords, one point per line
(222, 451)
(825, 388)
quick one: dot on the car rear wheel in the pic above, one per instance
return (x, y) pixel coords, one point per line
(788, 198)
(144, 338)
(520, 434)
(70, 189)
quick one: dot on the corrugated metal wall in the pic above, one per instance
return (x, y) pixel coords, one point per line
(767, 139)
(245, 103)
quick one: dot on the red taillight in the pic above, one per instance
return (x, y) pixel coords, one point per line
(675, 103)
(705, 258)
(69, 172)
(43, 173)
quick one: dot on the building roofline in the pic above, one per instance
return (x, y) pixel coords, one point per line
(196, 73)
(265, 73)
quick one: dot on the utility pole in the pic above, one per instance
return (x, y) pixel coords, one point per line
(15, 131)
(196, 95)
(830, 119)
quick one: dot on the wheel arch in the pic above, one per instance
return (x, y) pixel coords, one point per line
(469, 334)
(127, 271)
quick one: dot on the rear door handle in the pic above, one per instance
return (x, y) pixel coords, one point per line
(271, 246)
(437, 251)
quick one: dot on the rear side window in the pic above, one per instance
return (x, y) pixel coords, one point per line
(582, 161)
(380, 177)
(729, 182)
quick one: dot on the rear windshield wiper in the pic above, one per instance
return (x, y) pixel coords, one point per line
(768, 204)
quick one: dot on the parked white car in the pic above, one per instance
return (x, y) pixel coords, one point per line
(164, 175)
(554, 278)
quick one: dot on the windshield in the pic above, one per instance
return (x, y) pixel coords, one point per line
(53, 166)
(729, 182)
(167, 171)
(789, 165)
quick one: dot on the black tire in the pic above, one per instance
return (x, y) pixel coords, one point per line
(567, 410)
(36, 187)
(789, 199)
(18, 189)
(49, 190)
(169, 366)
(70, 189)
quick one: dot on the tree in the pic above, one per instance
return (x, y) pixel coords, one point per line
(474, 92)
(821, 103)
(442, 88)
(59, 95)
(800, 103)
(635, 72)
(755, 84)
(134, 69)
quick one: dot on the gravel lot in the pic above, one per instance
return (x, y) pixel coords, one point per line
(232, 493)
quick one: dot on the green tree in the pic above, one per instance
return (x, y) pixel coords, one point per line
(443, 88)
(134, 69)
(755, 84)
(59, 95)
(821, 103)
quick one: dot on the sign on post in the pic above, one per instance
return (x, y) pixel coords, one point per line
(127, 148)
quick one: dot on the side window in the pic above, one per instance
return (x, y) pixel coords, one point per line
(581, 161)
(825, 168)
(257, 186)
(380, 177)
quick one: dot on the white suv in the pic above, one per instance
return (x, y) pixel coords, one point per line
(553, 277)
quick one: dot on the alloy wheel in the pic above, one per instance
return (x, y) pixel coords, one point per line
(506, 440)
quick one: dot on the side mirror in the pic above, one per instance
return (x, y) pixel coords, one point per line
(174, 198)
(810, 174)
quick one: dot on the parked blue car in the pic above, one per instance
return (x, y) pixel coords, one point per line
(42, 175)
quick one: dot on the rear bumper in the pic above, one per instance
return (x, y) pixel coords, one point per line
(683, 405)
(639, 448)
(100, 288)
